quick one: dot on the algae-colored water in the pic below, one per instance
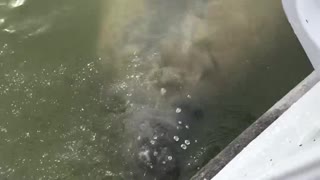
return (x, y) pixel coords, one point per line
(135, 89)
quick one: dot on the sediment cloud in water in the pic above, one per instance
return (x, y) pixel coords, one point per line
(162, 54)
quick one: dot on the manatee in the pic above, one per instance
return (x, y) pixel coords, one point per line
(162, 52)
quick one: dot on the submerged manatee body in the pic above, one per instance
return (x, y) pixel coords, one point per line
(157, 138)
(153, 143)
(160, 58)
(162, 53)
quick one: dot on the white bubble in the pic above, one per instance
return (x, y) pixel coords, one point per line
(155, 153)
(188, 96)
(155, 137)
(179, 122)
(187, 127)
(195, 141)
(152, 142)
(183, 146)
(83, 128)
(44, 155)
(3, 129)
(178, 110)
(169, 158)
(93, 138)
(187, 142)
(139, 138)
(163, 91)
(176, 138)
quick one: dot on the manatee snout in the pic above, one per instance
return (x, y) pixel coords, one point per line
(158, 158)
(156, 151)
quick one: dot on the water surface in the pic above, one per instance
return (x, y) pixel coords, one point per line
(82, 83)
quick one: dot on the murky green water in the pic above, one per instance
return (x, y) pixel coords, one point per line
(103, 89)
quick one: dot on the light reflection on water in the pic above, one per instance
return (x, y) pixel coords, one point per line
(74, 107)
